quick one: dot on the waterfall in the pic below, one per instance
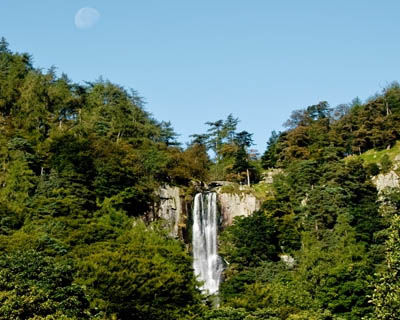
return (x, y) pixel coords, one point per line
(207, 263)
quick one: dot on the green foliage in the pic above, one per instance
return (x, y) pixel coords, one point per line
(77, 163)
(192, 163)
(33, 285)
(250, 240)
(372, 169)
(386, 164)
(325, 217)
(18, 182)
(246, 244)
(225, 314)
(233, 159)
(320, 132)
(375, 156)
(13, 69)
(229, 313)
(334, 271)
(270, 156)
(330, 274)
(386, 295)
(168, 135)
(143, 275)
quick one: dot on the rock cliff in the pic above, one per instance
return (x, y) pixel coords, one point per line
(385, 180)
(170, 208)
(173, 209)
(390, 179)
(233, 205)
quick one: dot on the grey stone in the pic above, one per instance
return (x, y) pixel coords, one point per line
(170, 208)
(233, 205)
(288, 260)
(382, 181)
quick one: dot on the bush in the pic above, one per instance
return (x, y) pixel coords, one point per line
(386, 164)
(372, 169)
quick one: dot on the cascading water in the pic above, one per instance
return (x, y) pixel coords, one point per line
(207, 263)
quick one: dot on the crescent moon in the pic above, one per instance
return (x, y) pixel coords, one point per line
(86, 18)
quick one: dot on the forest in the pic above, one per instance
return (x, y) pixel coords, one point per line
(79, 168)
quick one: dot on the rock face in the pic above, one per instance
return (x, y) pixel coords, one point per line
(233, 205)
(170, 208)
(288, 260)
(173, 210)
(390, 179)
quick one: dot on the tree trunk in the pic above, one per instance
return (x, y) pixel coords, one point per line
(388, 111)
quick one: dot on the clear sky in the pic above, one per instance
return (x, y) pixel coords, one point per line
(199, 60)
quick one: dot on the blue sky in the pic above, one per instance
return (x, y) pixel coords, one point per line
(199, 60)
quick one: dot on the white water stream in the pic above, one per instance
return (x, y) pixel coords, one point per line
(207, 263)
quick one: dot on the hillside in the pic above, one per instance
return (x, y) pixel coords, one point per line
(82, 166)
(376, 156)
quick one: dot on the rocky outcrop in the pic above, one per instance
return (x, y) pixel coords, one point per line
(385, 180)
(236, 204)
(170, 208)
(288, 260)
(173, 209)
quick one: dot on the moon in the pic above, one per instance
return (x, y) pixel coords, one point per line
(86, 18)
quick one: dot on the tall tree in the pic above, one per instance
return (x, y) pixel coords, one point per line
(270, 157)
